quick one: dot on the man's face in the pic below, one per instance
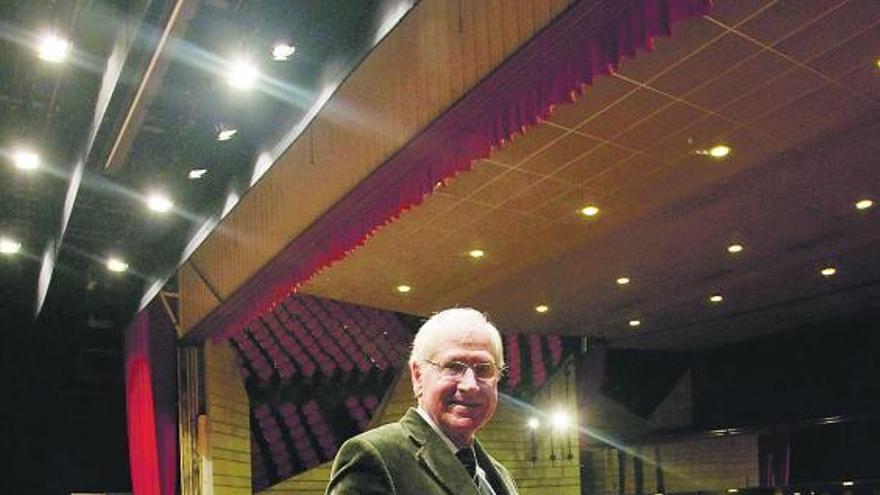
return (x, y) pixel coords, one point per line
(459, 405)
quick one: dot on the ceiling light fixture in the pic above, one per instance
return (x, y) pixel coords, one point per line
(848, 483)
(533, 423)
(590, 211)
(828, 271)
(242, 75)
(26, 160)
(53, 48)
(9, 246)
(403, 289)
(197, 173)
(159, 203)
(282, 51)
(477, 253)
(225, 132)
(542, 308)
(864, 204)
(716, 298)
(116, 265)
(735, 248)
(718, 151)
(561, 420)
(623, 281)
(635, 323)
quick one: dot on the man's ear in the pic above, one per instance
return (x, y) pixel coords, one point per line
(415, 374)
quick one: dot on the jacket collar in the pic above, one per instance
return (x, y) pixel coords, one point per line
(435, 457)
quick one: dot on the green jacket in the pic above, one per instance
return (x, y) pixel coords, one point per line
(409, 458)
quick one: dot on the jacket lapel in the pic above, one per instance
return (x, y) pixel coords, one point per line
(500, 482)
(434, 456)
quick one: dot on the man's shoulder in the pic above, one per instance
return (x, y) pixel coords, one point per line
(381, 436)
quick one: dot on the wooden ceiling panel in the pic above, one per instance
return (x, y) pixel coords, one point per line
(570, 147)
(460, 215)
(624, 113)
(593, 163)
(623, 173)
(668, 121)
(536, 196)
(466, 183)
(777, 92)
(830, 31)
(751, 73)
(863, 80)
(605, 92)
(704, 65)
(819, 111)
(522, 146)
(687, 38)
(860, 51)
(786, 17)
(504, 187)
(733, 13)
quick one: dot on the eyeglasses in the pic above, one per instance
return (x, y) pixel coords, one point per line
(456, 369)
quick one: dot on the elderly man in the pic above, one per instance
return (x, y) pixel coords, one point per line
(455, 366)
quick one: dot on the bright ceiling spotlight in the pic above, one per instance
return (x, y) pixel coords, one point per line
(734, 248)
(719, 151)
(159, 203)
(732, 490)
(716, 298)
(590, 211)
(26, 160)
(282, 51)
(635, 323)
(477, 254)
(561, 420)
(848, 483)
(242, 75)
(116, 265)
(864, 204)
(403, 289)
(828, 271)
(533, 423)
(197, 173)
(53, 48)
(622, 280)
(542, 308)
(9, 246)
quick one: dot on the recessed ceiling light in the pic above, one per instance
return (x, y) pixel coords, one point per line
(848, 483)
(635, 323)
(561, 420)
(226, 134)
(622, 280)
(197, 173)
(116, 265)
(159, 203)
(719, 151)
(26, 160)
(828, 271)
(735, 248)
(282, 51)
(533, 423)
(9, 246)
(242, 75)
(542, 308)
(590, 210)
(477, 253)
(716, 298)
(864, 204)
(53, 48)
(403, 289)
(732, 490)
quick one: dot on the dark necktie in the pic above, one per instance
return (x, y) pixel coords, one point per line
(469, 460)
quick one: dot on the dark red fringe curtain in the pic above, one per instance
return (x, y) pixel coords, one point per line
(588, 40)
(151, 401)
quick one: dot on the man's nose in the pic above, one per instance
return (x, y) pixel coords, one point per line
(468, 380)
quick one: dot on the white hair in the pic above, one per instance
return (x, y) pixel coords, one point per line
(434, 333)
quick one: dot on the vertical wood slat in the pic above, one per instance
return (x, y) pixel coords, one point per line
(421, 68)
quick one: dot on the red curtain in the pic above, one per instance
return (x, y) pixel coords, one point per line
(150, 398)
(588, 40)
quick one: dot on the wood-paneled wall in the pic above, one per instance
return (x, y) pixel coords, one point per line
(440, 50)
(506, 438)
(229, 445)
